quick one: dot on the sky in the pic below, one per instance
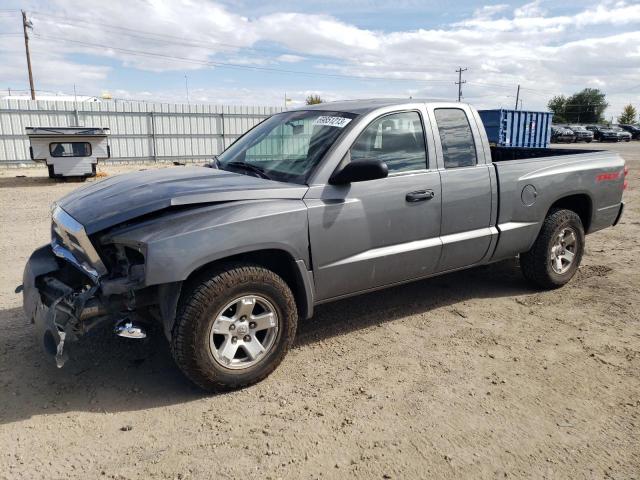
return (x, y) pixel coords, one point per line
(261, 52)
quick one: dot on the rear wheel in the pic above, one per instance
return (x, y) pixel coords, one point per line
(234, 327)
(557, 252)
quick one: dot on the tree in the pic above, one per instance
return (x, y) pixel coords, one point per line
(313, 100)
(629, 114)
(558, 106)
(586, 106)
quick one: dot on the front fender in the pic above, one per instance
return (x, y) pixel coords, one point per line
(177, 244)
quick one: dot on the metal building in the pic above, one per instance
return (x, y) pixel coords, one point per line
(139, 131)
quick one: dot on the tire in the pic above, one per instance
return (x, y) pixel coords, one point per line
(51, 172)
(536, 264)
(205, 303)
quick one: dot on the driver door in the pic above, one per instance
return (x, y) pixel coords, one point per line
(370, 234)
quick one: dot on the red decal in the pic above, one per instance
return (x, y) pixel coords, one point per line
(603, 177)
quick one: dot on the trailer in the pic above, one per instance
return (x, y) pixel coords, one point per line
(517, 128)
(69, 151)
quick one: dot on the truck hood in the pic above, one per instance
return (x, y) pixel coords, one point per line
(124, 197)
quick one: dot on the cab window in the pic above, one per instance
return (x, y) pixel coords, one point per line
(456, 137)
(396, 139)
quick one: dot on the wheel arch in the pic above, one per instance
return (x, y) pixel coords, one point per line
(294, 272)
(580, 203)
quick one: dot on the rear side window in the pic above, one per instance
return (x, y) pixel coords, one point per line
(458, 147)
(70, 149)
(396, 139)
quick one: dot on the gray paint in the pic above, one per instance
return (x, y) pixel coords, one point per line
(345, 239)
(365, 234)
(123, 197)
(176, 245)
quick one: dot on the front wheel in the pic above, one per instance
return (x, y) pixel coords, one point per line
(557, 252)
(234, 327)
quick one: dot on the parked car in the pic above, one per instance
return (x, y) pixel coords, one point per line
(581, 133)
(604, 134)
(634, 130)
(308, 207)
(562, 135)
(623, 135)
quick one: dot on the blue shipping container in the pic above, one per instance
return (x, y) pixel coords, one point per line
(517, 128)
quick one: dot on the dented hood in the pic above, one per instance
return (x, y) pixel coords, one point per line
(124, 197)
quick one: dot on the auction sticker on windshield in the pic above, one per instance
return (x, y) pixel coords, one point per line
(328, 121)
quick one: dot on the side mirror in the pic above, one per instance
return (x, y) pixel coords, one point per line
(359, 171)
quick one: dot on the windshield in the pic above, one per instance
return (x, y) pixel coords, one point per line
(287, 146)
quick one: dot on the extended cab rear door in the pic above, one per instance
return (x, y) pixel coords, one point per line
(468, 182)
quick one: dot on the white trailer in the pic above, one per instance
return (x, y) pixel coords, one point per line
(69, 151)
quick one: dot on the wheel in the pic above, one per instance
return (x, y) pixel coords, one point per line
(234, 327)
(557, 252)
(51, 172)
(589, 140)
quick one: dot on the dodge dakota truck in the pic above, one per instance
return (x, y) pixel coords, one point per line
(309, 206)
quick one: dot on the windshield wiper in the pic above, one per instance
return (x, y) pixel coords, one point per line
(248, 167)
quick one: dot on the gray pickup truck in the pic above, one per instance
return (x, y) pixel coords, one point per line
(309, 206)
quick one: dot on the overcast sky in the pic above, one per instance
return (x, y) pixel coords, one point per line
(252, 52)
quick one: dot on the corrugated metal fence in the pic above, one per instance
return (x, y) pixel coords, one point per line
(139, 131)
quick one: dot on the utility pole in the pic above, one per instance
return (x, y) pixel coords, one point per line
(517, 96)
(460, 81)
(286, 100)
(186, 86)
(27, 24)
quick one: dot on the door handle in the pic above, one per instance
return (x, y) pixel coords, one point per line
(420, 196)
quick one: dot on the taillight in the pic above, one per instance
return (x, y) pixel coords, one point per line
(625, 184)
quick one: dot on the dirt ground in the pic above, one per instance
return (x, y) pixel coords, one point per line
(471, 374)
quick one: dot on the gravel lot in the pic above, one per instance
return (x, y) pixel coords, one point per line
(471, 374)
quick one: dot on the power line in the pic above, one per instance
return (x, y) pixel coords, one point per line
(162, 37)
(229, 65)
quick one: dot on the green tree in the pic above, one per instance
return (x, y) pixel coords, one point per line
(587, 106)
(558, 105)
(628, 116)
(313, 100)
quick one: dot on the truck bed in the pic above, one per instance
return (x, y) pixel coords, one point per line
(531, 180)
(503, 154)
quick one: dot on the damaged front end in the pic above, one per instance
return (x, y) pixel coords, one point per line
(68, 289)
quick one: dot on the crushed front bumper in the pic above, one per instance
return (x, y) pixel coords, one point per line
(65, 300)
(59, 311)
